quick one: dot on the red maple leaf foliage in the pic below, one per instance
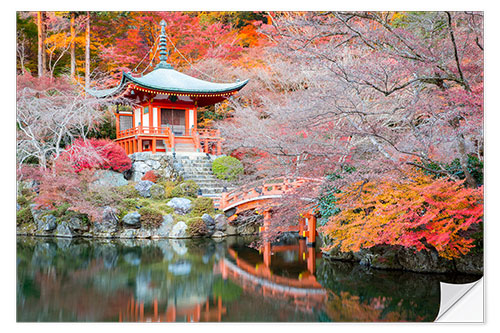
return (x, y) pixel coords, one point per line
(420, 212)
(97, 154)
(151, 175)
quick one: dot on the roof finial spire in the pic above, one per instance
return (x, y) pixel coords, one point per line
(163, 47)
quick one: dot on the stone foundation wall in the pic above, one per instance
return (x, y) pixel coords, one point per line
(164, 164)
(399, 258)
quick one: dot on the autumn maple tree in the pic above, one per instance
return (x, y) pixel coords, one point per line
(420, 212)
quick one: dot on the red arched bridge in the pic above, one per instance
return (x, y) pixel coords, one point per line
(262, 197)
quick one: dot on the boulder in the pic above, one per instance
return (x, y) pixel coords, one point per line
(157, 192)
(209, 222)
(231, 230)
(47, 223)
(423, 261)
(63, 230)
(143, 188)
(109, 178)
(335, 254)
(132, 220)
(179, 231)
(165, 228)
(471, 263)
(108, 225)
(44, 222)
(220, 222)
(155, 165)
(181, 206)
(128, 233)
(218, 234)
(76, 224)
(247, 229)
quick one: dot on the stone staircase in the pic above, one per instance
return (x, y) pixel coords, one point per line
(198, 167)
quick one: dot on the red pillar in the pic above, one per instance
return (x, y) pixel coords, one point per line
(301, 227)
(117, 124)
(139, 143)
(154, 146)
(311, 234)
(267, 254)
(267, 220)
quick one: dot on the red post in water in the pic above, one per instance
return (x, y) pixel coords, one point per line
(267, 254)
(311, 235)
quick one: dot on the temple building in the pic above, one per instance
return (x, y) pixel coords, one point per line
(166, 102)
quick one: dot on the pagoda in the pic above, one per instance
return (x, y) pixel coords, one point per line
(166, 102)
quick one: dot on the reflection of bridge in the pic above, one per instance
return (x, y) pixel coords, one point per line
(212, 310)
(261, 197)
(305, 290)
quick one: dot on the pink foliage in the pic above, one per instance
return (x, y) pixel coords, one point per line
(97, 154)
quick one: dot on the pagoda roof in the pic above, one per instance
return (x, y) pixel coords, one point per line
(168, 80)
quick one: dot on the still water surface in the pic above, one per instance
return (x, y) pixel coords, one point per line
(204, 280)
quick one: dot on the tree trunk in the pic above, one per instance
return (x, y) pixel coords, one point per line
(72, 49)
(463, 157)
(40, 44)
(44, 36)
(87, 52)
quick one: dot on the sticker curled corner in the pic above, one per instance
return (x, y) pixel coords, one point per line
(461, 302)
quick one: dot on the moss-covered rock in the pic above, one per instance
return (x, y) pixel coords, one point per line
(188, 188)
(157, 192)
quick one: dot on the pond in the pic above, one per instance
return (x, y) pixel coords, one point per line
(64, 280)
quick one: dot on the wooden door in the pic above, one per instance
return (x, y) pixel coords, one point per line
(175, 119)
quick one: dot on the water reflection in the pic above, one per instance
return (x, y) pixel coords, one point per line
(205, 280)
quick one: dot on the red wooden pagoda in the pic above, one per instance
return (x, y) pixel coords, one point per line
(165, 115)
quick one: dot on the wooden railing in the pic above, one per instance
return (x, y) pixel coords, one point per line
(144, 130)
(205, 140)
(209, 141)
(259, 189)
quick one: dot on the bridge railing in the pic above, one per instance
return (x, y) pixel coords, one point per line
(259, 189)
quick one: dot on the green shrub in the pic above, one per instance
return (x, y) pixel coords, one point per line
(129, 203)
(127, 191)
(22, 201)
(227, 168)
(157, 192)
(24, 216)
(150, 217)
(166, 209)
(203, 205)
(188, 188)
(61, 210)
(144, 202)
(196, 227)
(168, 186)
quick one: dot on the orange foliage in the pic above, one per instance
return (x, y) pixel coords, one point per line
(421, 212)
